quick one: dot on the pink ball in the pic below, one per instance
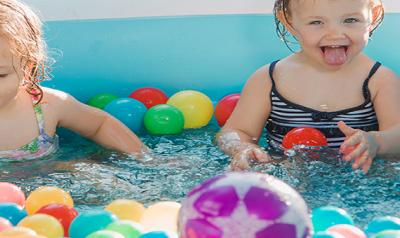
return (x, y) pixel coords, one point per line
(244, 205)
(4, 224)
(10, 193)
(347, 231)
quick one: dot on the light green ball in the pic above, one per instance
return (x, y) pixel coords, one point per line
(105, 234)
(128, 229)
(388, 234)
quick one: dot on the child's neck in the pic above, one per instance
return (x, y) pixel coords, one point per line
(13, 103)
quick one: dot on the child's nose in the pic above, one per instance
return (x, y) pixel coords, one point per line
(335, 31)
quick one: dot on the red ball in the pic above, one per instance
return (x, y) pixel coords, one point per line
(225, 107)
(149, 96)
(304, 136)
(64, 214)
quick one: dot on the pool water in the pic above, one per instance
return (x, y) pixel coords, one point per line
(96, 176)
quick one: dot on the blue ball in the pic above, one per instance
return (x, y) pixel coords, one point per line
(158, 234)
(382, 224)
(129, 111)
(89, 222)
(327, 216)
(12, 212)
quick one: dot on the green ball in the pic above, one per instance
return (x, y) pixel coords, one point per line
(105, 234)
(128, 229)
(101, 100)
(164, 119)
(388, 234)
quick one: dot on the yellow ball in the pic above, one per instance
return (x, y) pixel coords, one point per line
(196, 107)
(161, 216)
(126, 209)
(47, 195)
(17, 232)
(44, 225)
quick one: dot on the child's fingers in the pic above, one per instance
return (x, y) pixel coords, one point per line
(359, 161)
(347, 130)
(356, 152)
(353, 140)
(261, 156)
(240, 162)
(367, 165)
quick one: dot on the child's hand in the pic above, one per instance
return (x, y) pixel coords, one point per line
(241, 160)
(359, 146)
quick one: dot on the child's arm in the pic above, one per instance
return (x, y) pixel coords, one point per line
(92, 123)
(240, 134)
(385, 141)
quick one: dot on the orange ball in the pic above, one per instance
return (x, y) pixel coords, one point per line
(47, 195)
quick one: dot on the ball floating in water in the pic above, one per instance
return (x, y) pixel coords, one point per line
(149, 96)
(126, 209)
(44, 225)
(348, 231)
(379, 224)
(101, 100)
(47, 195)
(327, 216)
(164, 119)
(388, 234)
(12, 212)
(224, 108)
(63, 213)
(129, 111)
(4, 224)
(244, 205)
(105, 234)
(10, 193)
(161, 216)
(89, 222)
(196, 107)
(304, 136)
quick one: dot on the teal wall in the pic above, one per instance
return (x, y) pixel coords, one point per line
(213, 54)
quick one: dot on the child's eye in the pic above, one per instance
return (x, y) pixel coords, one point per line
(315, 23)
(3, 75)
(351, 20)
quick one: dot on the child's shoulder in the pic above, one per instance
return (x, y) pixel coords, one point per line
(384, 77)
(55, 97)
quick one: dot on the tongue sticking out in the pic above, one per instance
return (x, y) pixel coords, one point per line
(335, 55)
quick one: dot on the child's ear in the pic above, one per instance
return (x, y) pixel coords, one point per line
(377, 12)
(283, 18)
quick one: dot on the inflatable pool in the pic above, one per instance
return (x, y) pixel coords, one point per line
(208, 46)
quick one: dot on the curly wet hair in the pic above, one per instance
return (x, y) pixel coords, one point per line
(23, 30)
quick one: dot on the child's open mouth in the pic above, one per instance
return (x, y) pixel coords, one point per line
(334, 54)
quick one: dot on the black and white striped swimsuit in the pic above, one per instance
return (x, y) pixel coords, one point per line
(286, 115)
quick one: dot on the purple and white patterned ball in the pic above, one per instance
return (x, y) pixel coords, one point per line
(244, 205)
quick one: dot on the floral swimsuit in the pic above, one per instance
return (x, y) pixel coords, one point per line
(39, 147)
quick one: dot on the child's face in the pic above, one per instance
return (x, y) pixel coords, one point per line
(331, 32)
(10, 72)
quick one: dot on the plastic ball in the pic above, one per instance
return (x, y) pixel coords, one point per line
(89, 222)
(43, 224)
(149, 96)
(304, 136)
(323, 234)
(18, 232)
(105, 234)
(101, 100)
(10, 193)
(47, 195)
(126, 209)
(63, 213)
(4, 224)
(347, 231)
(244, 205)
(327, 216)
(161, 216)
(128, 229)
(159, 234)
(388, 234)
(164, 119)
(129, 111)
(196, 107)
(12, 212)
(224, 108)
(381, 224)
